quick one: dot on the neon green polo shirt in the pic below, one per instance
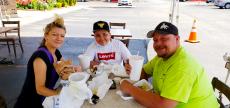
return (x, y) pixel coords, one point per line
(183, 79)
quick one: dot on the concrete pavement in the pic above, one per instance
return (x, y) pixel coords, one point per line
(30, 16)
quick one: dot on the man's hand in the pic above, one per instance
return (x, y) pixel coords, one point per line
(93, 64)
(128, 68)
(124, 85)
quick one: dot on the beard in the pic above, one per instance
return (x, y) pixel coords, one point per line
(161, 52)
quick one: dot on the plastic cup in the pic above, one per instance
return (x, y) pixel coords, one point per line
(136, 63)
(84, 60)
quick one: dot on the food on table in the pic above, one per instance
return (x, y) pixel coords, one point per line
(94, 90)
(93, 70)
(117, 80)
(64, 64)
(144, 86)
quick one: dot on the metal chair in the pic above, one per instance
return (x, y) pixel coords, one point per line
(2, 102)
(13, 35)
(117, 25)
(125, 41)
(223, 89)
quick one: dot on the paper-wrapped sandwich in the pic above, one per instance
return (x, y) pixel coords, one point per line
(64, 68)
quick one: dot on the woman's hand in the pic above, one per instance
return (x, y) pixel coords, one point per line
(58, 90)
(59, 67)
(66, 72)
(64, 75)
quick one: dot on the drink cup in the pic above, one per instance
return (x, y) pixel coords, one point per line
(84, 61)
(136, 63)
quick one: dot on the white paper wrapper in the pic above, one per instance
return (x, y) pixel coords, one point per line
(119, 70)
(68, 100)
(51, 102)
(143, 84)
(100, 85)
(123, 96)
(74, 94)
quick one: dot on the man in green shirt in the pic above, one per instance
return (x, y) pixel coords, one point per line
(179, 81)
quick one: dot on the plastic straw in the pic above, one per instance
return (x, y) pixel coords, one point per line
(138, 53)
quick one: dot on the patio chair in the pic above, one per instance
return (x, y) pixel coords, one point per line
(117, 25)
(114, 25)
(13, 35)
(223, 89)
(125, 41)
(2, 102)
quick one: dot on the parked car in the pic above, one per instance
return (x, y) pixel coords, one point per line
(183, 0)
(222, 4)
(125, 2)
(210, 1)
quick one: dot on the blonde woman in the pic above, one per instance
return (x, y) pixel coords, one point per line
(41, 74)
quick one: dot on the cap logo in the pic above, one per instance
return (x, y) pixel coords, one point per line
(101, 25)
(164, 26)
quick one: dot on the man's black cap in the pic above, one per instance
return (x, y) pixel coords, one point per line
(100, 25)
(163, 28)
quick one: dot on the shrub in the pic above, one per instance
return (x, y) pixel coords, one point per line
(74, 2)
(51, 6)
(59, 5)
(65, 4)
(34, 4)
(45, 4)
(61, 1)
(30, 6)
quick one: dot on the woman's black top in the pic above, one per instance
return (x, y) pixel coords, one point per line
(28, 97)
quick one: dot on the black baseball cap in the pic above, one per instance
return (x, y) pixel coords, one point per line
(163, 28)
(100, 25)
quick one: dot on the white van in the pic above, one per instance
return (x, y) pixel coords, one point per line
(125, 2)
(222, 4)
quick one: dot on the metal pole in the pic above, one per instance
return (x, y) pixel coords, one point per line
(172, 11)
(227, 66)
(226, 80)
(173, 14)
(177, 15)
